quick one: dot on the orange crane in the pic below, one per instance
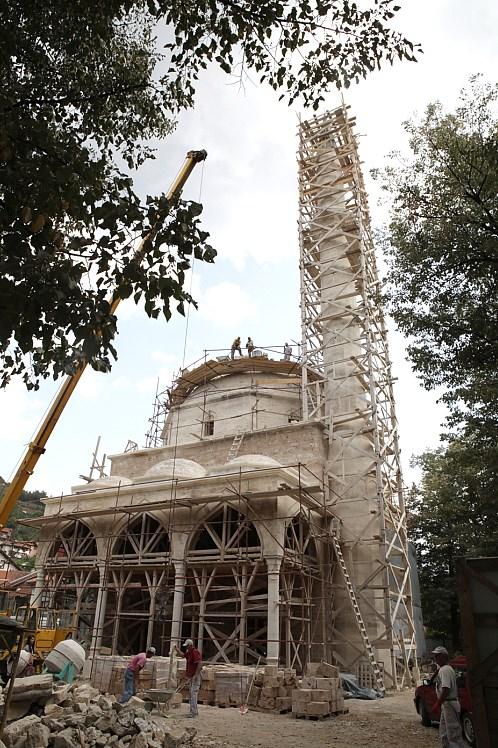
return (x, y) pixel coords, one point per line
(37, 447)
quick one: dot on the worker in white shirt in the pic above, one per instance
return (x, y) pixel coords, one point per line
(450, 730)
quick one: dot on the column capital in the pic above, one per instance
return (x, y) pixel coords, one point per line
(273, 564)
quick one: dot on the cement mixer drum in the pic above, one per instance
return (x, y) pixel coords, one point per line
(65, 652)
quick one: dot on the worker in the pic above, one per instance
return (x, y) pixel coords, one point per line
(136, 664)
(287, 352)
(235, 347)
(450, 730)
(194, 665)
(250, 347)
(30, 649)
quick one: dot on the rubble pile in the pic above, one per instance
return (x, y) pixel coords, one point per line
(81, 717)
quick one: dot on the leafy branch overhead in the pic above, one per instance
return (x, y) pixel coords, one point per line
(85, 89)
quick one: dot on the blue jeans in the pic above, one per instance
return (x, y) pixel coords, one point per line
(195, 684)
(129, 686)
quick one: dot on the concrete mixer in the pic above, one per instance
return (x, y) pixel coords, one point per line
(65, 661)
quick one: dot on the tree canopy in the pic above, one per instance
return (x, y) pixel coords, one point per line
(85, 88)
(453, 512)
(442, 248)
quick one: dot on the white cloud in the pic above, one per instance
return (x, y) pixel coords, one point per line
(227, 304)
(91, 385)
(20, 412)
(165, 358)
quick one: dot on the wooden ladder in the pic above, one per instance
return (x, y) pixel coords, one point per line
(234, 449)
(359, 618)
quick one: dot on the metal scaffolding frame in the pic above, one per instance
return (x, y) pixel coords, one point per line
(344, 340)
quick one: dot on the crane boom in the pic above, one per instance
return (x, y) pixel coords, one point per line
(37, 447)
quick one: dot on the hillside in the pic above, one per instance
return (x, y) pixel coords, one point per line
(29, 505)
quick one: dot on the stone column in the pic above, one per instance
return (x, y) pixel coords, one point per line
(273, 625)
(176, 622)
(38, 588)
(100, 609)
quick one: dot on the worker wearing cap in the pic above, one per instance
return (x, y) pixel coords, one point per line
(136, 664)
(194, 665)
(235, 347)
(450, 730)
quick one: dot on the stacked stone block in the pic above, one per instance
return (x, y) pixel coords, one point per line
(272, 689)
(319, 694)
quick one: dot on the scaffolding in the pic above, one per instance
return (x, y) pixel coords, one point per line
(213, 532)
(344, 341)
(120, 570)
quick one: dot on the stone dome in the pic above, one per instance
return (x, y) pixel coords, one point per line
(108, 481)
(245, 463)
(179, 468)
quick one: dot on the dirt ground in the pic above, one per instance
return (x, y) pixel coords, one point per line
(388, 723)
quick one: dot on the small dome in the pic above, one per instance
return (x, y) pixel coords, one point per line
(255, 461)
(179, 468)
(245, 463)
(108, 481)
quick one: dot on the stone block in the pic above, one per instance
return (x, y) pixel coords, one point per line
(266, 703)
(54, 710)
(272, 682)
(328, 671)
(324, 683)
(302, 695)
(318, 708)
(85, 692)
(308, 681)
(271, 671)
(269, 693)
(177, 739)
(283, 703)
(320, 694)
(68, 738)
(37, 736)
(18, 729)
(61, 694)
(313, 668)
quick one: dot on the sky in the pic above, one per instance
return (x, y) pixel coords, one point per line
(248, 187)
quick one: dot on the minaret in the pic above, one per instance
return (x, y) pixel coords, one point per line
(344, 340)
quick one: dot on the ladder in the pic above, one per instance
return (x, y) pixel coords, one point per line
(359, 618)
(234, 449)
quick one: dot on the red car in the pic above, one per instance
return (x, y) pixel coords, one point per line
(425, 700)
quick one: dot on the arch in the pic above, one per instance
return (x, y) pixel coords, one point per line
(225, 602)
(224, 534)
(143, 539)
(300, 543)
(299, 593)
(75, 543)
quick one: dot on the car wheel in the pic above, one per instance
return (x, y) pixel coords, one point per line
(468, 729)
(424, 715)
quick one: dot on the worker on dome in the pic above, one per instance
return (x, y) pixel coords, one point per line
(235, 347)
(194, 665)
(136, 664)
(287, 352)
(250, 347)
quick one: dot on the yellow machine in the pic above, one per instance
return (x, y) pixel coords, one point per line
(51, 626)
(48, 626)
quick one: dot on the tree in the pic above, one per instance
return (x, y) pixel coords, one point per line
(442, 248)
(452, 513)
(29, 505)
(85, 87)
